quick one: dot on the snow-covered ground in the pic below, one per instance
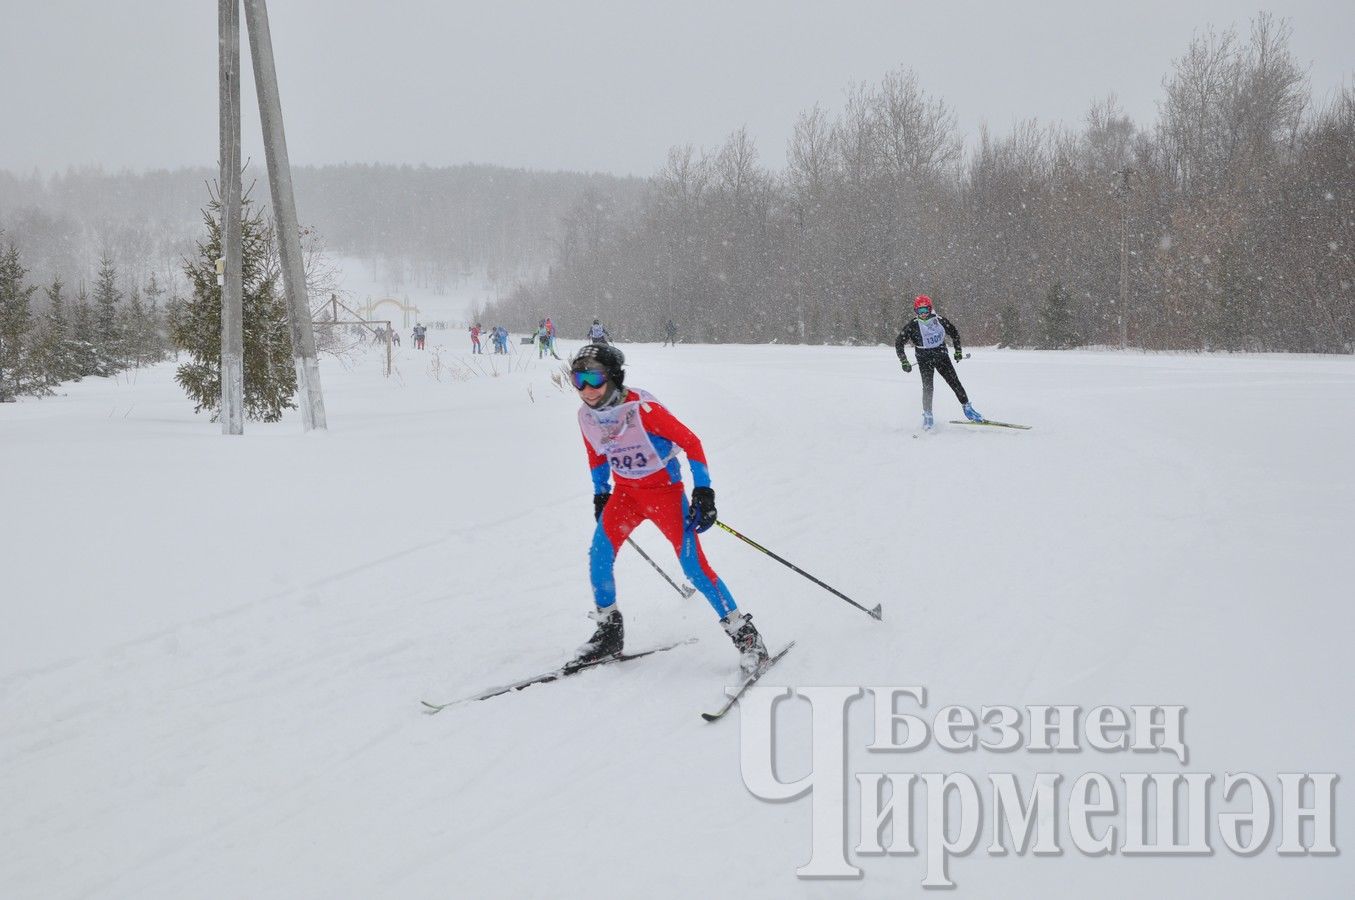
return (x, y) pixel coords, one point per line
(213, 648)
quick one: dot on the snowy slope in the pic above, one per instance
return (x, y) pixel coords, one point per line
(213, 649)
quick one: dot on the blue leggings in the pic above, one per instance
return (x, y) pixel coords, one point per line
(666, 508)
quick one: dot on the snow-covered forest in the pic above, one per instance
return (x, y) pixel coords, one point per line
(1237, 206)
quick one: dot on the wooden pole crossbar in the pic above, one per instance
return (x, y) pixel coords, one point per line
(335, 305)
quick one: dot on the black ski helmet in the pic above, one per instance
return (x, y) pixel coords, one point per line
(603, 356)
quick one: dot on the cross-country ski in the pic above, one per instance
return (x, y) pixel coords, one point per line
(990, 423)
(555, 674)
(748, 681)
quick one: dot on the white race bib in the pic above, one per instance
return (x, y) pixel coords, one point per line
(933, 332)
(616, 433)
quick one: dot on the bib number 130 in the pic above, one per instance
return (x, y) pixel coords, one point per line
(629, 462)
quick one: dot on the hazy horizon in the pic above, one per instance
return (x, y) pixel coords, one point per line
(599, 86)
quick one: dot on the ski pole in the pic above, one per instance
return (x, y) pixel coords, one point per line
(685, 590)
(876, 613)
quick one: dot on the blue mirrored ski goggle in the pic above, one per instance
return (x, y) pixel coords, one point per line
(588, 378)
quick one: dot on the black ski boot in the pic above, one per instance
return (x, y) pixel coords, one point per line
(741, 630)
(607, 639)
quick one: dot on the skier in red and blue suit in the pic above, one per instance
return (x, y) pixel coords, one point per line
(629, 434)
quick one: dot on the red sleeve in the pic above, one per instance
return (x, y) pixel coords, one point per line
(658, 421)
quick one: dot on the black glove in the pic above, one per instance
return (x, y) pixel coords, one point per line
(907, 366)
(599, 501)
(701, 515)
(959, 354)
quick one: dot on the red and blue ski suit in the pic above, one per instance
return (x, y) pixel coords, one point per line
(638, 439)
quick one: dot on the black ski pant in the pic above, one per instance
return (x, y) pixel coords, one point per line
(929, 361)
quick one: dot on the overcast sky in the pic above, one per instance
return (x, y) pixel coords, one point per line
(595, 85)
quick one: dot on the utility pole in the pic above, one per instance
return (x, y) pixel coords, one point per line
(230, 267)
(284, 210)
(1124, 175)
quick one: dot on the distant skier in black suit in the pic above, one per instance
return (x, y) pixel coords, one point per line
(927, 333)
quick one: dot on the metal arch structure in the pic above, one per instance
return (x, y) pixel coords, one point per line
(406, 309)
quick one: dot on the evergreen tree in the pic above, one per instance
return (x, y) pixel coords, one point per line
(84, 357)
(16, 323)
(1009, 326)
(270, 376)
(107, 336)
(135, 328)
(53, 351)
(155, 313)
(1056, 317)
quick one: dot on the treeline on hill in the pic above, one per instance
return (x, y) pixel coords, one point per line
(1239, 205)
(431, 225)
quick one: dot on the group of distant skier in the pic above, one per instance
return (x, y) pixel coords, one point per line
(543, 337)
(498, 335)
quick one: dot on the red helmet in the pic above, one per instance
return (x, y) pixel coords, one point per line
(921, 301)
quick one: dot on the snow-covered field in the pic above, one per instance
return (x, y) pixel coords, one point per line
(212, 649)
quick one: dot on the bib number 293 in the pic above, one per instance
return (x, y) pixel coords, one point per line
(629, 462)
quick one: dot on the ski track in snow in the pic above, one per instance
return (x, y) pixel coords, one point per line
(215, 647)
